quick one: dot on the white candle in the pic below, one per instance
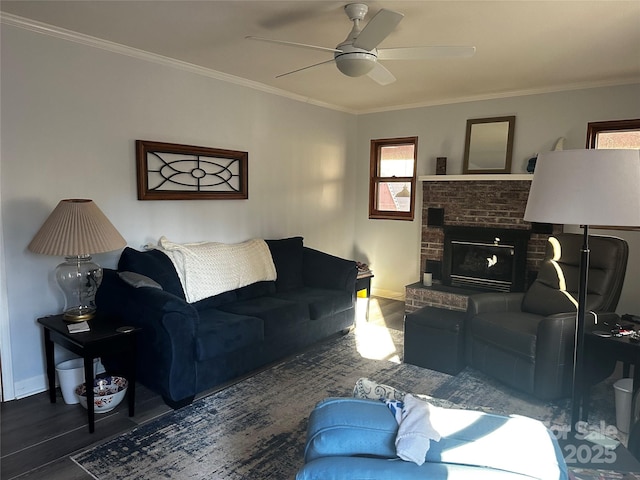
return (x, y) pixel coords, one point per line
(427, 279)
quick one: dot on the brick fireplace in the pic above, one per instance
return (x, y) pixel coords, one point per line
(471, 202)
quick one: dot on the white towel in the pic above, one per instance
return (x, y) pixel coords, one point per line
(415, 431)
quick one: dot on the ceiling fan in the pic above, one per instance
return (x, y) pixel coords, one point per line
(358, 54)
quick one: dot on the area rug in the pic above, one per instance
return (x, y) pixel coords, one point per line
(255, 429)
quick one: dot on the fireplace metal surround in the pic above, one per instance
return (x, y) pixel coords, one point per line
(485, 258)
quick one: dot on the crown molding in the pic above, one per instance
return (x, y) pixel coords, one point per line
(507, 94)
(46, 29)
(69, 35)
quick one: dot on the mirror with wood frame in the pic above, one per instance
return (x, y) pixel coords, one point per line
(489, 145)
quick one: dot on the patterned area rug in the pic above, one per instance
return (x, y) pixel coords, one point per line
(256, 428)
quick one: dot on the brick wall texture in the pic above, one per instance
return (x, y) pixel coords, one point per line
(482, 203)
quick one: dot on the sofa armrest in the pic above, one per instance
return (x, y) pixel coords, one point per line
(166, 345)
(322, 270)
(494, 302)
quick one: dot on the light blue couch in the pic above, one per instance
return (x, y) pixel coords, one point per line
(351, 439)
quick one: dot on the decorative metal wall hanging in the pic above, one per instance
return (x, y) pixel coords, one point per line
(168, 171)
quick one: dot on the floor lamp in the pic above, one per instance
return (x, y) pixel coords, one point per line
(585, 187)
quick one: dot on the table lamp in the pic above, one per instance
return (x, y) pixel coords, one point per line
(585, 187)
(76, 229)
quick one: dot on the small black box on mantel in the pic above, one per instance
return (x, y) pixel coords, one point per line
(435, 217)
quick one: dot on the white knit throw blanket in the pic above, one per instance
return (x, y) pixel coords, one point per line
(208, 268)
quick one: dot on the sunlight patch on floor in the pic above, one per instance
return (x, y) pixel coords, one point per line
(373, 341)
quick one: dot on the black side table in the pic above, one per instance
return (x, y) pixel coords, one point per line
(105, 337)
(363, 282)
(618, 348)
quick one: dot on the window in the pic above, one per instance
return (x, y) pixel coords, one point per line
(393, 178)
(614, 134)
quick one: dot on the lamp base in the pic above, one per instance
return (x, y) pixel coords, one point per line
(79, 279)
(79, 314)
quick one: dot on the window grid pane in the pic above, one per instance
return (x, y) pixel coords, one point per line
(393, 197)
(396, 161)
(622, 139)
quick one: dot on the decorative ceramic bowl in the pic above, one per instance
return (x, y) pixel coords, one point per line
(108, 392)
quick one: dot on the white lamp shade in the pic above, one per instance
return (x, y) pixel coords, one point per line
(586, 187)
(76, 227)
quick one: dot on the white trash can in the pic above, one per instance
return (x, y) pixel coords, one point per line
(70, 375)
(624, 397)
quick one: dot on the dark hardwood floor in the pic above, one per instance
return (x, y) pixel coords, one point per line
(37, 437)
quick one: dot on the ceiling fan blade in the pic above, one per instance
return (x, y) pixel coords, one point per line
(293, 44)
(381, 75)
(378, 28)
(304, 68)
(420, 53)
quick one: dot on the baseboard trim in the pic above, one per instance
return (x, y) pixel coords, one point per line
(29, 386)
(38, 384)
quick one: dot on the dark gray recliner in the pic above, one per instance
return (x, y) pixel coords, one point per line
(526, 340)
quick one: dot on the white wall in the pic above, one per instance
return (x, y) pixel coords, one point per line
(70, 117)
(392, 248)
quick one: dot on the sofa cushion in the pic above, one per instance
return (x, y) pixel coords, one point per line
(216, 300)
(221, 332)
(321, 302)
(277, 314)
(258, 289)
(153, 264)
(287, 254)
(244, 293)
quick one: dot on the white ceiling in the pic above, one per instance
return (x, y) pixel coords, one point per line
(522, 46)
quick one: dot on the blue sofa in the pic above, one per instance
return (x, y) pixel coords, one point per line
(353, 438)
(186, 348)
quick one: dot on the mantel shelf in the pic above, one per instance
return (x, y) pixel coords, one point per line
(475, 178)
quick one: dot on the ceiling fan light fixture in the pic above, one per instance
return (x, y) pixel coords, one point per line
(354, 62)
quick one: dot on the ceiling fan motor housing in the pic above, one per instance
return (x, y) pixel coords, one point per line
(355, 62)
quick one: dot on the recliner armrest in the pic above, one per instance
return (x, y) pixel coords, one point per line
(592, 320)
(494, 302)
(555, 345)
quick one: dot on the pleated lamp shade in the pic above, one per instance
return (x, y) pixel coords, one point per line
(76, 227)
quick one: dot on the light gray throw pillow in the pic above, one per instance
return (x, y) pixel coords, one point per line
(137, 280)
